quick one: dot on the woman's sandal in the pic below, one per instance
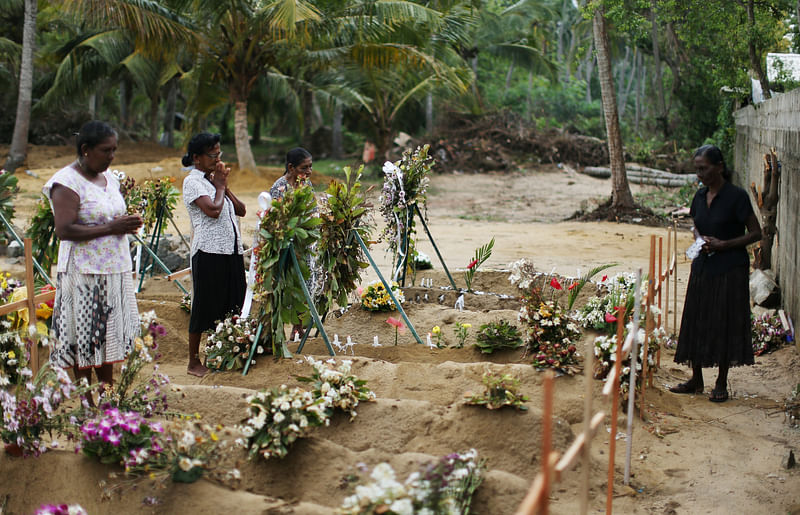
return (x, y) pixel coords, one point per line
(687, 387)
(718, 395)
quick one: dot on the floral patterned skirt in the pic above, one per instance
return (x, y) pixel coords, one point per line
(95, 319)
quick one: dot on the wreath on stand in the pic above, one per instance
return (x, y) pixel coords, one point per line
(340, 254)
(405, 188)
(291, 226)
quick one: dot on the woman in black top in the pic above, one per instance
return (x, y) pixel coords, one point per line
(715, 327)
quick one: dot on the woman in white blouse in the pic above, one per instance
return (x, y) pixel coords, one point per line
(218, 279)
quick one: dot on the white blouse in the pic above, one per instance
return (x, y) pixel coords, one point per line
(211, 235)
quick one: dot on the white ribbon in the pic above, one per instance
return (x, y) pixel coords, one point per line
(265, 203)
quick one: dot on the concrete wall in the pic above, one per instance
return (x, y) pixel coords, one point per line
(776, 123)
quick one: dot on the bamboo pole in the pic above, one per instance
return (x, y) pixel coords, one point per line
(660, 287)
(34, 346)
(587, 426)
(612, 442)
(675, 282)
(670, 265)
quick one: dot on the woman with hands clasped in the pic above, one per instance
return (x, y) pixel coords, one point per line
(218, 280)
(95, 316)
(715, 327)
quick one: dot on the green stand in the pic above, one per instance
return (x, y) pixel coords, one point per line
(155, 239)
(158, 262)
(315, 319)
(387, 286)
(402, 264)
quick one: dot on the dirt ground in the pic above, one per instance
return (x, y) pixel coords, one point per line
(689, 455)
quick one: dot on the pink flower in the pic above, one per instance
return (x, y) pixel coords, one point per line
(604, 279)
(610, 318)
(472, 264)
(360, 291)
(555, 284)
(571, 286)
(397, 323)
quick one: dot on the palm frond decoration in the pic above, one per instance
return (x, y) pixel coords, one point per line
(481, 255)
(576, 287)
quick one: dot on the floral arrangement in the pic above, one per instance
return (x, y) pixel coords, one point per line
(229, 345)
(340, 255)
(422, 261)
(767, 333)
(121, 437)
(186, 303)
(481, 255)
(496, 336)
(37, 406)
(280, 416)
(525, 275)
(151, 198)
(13, 353)
(461, 332)
(290, 226)
(8, 190)
(437, 334)
(375, 297)
(605, 351)
(339, 388)
(405, 186)
(185, 450)
(129, 393)
(42, 232)
(600, 311)
(61, 509)
(501, 390)
(549, 332)
(443, 487)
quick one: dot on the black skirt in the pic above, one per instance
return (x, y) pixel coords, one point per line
(715, 326)
(218, 288)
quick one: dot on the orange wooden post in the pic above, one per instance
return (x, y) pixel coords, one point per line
(34, 346)
(647, 317)
(612, 442)
(547, 440)
(668, 273)
(660, 287)
(675, 283)
(587, 426)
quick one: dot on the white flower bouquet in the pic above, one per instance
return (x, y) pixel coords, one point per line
(339, 388)
(229, 345)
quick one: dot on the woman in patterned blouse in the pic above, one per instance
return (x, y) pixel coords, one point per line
(95, 316)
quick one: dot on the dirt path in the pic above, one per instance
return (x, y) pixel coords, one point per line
(690, 455)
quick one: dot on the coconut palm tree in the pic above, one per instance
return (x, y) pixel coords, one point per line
(19, 141)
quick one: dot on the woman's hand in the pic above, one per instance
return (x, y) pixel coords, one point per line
(125, 224)
(219, 177)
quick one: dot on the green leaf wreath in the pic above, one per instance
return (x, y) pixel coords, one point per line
(340, 254)
(405, 186)
(290, 226)
(42, 233)
(150, 197)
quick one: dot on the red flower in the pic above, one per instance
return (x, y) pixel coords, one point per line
(610, 318)
(472, 264)
(571, 286)
(555, 284)
(604, 279)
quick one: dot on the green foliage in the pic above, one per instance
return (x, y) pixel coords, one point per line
(501, 390)
(151, 199)
(496, 336)
(481, 255)
(575, 288)
(289, 227)
(8, 190)
(339, 252)
(42, 233)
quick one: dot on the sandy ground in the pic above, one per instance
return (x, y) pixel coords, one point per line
(689, 455)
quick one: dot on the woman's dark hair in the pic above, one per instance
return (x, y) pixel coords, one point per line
(199, 144)
(296, 156)
(714, 156)
(92, 134)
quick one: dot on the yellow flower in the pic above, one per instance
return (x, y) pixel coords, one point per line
(436, 329)
(44, 311)
(466, 326)
(214, 437)
(11, 354)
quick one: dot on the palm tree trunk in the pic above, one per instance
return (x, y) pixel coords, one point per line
(429, 113)
(509, 75)
(621, 197)
(154, 98)
(19, 141)
(528, 98)
(169, 112)
(659, 83)
(244, 154)
(589, 69)
(125, 97)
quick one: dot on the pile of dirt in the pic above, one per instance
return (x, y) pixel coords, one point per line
(502, 141)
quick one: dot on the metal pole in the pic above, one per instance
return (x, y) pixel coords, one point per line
(158, 261)
(438, 254)
(387, 286)
(311, 306)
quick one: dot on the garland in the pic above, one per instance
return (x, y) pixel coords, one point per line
(340, 255)
(290, 226)
(405, 186)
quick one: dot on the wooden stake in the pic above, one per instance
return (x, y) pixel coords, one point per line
(666, 283)
(660, 287)
(612, 442)
(547, 439)
(675, 282)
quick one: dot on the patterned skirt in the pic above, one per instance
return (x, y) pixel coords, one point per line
(95, 319)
